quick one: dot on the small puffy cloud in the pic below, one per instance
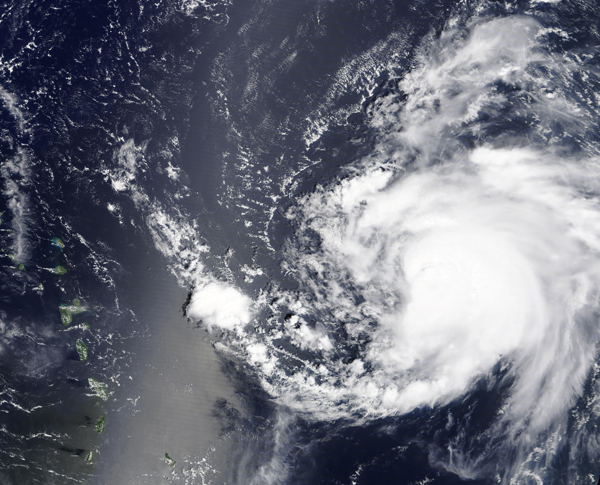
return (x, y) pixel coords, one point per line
(219, 305)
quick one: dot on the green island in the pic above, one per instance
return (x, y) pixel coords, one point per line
(169, 461)
(82, 350)
(85, 326)
(67, 311)
(20, 265)
(59, 270)
(101, 425)
(57, 242)
(89, 456)
(100, 388)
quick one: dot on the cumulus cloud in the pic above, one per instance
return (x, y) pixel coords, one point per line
(219, 305)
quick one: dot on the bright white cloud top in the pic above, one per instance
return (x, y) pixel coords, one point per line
(219, 305)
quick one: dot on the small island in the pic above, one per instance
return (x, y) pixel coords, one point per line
(169, 461)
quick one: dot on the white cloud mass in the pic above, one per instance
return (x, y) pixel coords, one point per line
(219, 305)
(464, 254)
(464, 249)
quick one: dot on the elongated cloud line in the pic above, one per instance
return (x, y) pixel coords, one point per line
(217, 304)
(15, 173)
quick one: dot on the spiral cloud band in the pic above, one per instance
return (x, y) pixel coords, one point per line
(464, 248)
(492, 258)
(471, 235)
